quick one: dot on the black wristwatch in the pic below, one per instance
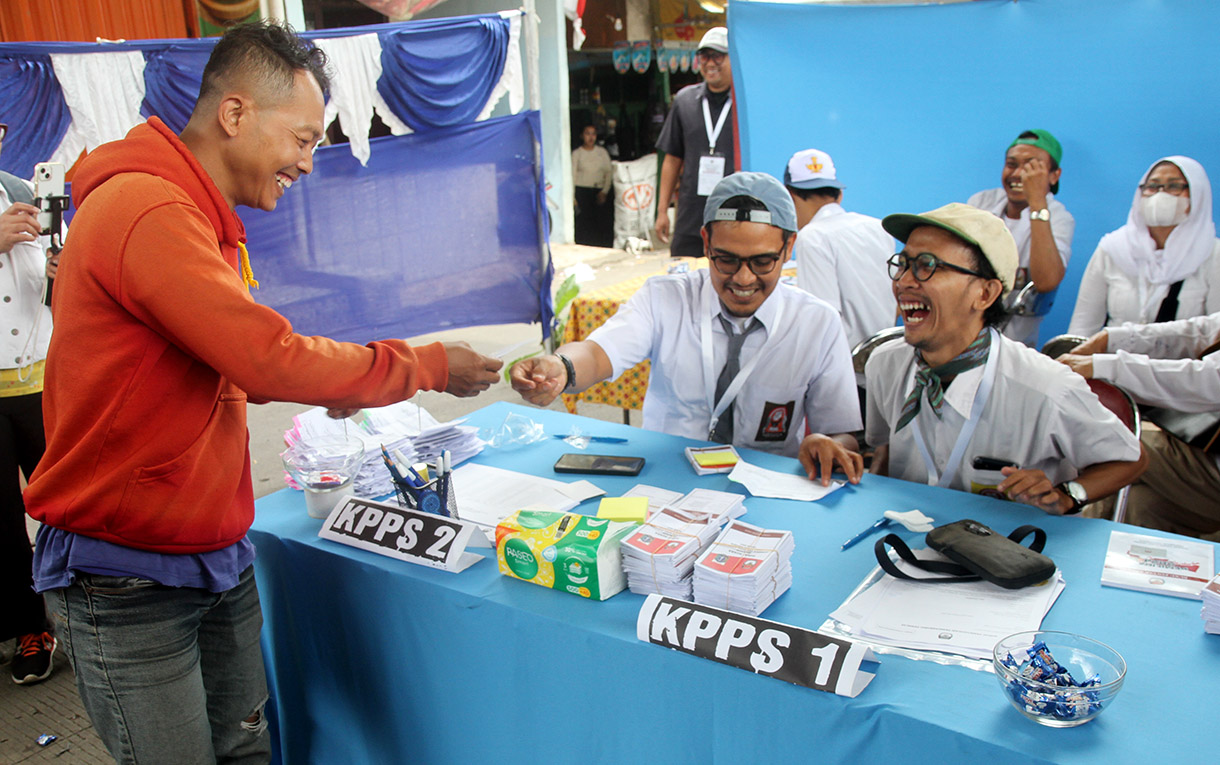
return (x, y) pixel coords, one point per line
(571, 370)
(1076, 493)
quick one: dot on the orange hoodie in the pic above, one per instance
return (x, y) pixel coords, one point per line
(157, 344)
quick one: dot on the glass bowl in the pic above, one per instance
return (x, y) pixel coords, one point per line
(1096, 665)
(324, 468)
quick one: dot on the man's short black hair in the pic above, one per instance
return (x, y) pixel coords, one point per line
(828, 192)
(264, 53)
(995, 314)
(1031, 135)
(743, 202)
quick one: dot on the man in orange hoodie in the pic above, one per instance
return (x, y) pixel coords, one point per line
(144, 492)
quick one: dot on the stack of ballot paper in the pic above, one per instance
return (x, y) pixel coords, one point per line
(660, 556)
(723, 506)
(707, 460)
(963, 618)
(409, 433)
(1211, 606)
(745, 569)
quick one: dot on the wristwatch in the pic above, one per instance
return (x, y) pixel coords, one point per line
(1076, 493)
(570, 370)
(1043, 214)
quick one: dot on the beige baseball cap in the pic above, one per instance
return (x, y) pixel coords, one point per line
(978, 227)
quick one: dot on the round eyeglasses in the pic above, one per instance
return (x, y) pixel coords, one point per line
(760, 265)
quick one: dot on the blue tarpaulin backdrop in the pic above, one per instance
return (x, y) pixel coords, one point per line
(917, 104)
(440, 230)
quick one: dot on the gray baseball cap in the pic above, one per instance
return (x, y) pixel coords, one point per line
(765, 188)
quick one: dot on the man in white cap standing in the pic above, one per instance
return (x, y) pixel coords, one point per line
(697, 139)
(962, 407)
(737, 357)
(840, 255)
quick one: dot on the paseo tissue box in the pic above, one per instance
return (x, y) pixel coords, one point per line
(564, 551)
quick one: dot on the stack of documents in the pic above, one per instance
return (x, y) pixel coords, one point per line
(745, 569)
(707, 460)
(486, 495)
(660, 556)
(722, 506)
(964, 618)
(404, 429)
(1211, 606)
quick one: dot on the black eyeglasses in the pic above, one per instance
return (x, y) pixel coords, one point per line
(923, 266)
(715, 56)
(1173, 187)
(760, 265)
(3, 130)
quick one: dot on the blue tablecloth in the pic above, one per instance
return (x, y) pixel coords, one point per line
(372, 660)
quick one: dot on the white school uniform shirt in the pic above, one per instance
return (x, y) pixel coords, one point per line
(1107, 290)
(25, 323)
(1040, 415)
(804, 374)
(841, 258)
(1063, 226)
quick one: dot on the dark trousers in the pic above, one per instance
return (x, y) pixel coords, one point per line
(21, 445)
(685, 246)
(594, 222)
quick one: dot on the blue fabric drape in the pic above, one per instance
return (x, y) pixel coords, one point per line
(172, 77)
(32, 105)
(439, 232)
(439, 77)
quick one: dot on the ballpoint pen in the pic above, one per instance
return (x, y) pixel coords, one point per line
(878, 525)
(596, 439)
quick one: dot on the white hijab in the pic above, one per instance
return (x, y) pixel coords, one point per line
(1189, 244)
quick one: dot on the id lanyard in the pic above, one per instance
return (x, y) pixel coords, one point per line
(713, 133)
(709, 374)
(963, 438)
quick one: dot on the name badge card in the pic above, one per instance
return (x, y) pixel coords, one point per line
(787, 653)
(423, 538)
(711, 170)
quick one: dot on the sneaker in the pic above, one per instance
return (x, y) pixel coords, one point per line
(32, 663)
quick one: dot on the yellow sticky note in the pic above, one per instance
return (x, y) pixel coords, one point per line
(623, 508)
(715, 459)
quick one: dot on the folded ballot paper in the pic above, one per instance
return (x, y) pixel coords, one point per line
(1211, 606)
(722, 505)
(660, 555)
(563, 551)
(403, 428)
(745, 569)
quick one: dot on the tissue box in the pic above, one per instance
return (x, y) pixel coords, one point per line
(564, 551)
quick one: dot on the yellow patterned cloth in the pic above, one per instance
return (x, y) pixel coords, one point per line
(21, 382)
(591, 311)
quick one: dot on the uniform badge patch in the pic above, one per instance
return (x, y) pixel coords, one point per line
(776, 420)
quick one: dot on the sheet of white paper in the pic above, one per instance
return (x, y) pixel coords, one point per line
(580, 490)
(761, 482)
(487, 495)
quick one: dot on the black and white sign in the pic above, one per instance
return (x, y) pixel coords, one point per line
(787, 653)
(423, 538)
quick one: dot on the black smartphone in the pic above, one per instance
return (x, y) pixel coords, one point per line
(599, 464)
(991, 463)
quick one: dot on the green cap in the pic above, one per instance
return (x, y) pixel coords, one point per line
(1044, 141)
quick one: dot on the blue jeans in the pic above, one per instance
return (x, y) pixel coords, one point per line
(168, 674)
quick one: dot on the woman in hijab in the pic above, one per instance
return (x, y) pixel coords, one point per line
(1164, 264)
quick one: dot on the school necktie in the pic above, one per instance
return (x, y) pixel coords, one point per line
(723, 434)
(934, 380)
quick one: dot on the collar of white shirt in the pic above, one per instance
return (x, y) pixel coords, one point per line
(828, 210)
(960, 393)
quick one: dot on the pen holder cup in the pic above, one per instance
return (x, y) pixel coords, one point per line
(325, 470)
(1096, 669)
(437, 487)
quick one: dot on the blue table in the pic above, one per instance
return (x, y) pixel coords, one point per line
(372, 660)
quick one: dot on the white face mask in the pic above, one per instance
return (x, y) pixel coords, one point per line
(1164, 209)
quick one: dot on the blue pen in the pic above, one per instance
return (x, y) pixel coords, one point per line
(598, 439)
(878, 525)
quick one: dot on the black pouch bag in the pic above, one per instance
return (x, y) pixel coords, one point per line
(978, 554)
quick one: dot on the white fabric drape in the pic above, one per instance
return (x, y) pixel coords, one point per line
(355, 64)
(103, 92)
